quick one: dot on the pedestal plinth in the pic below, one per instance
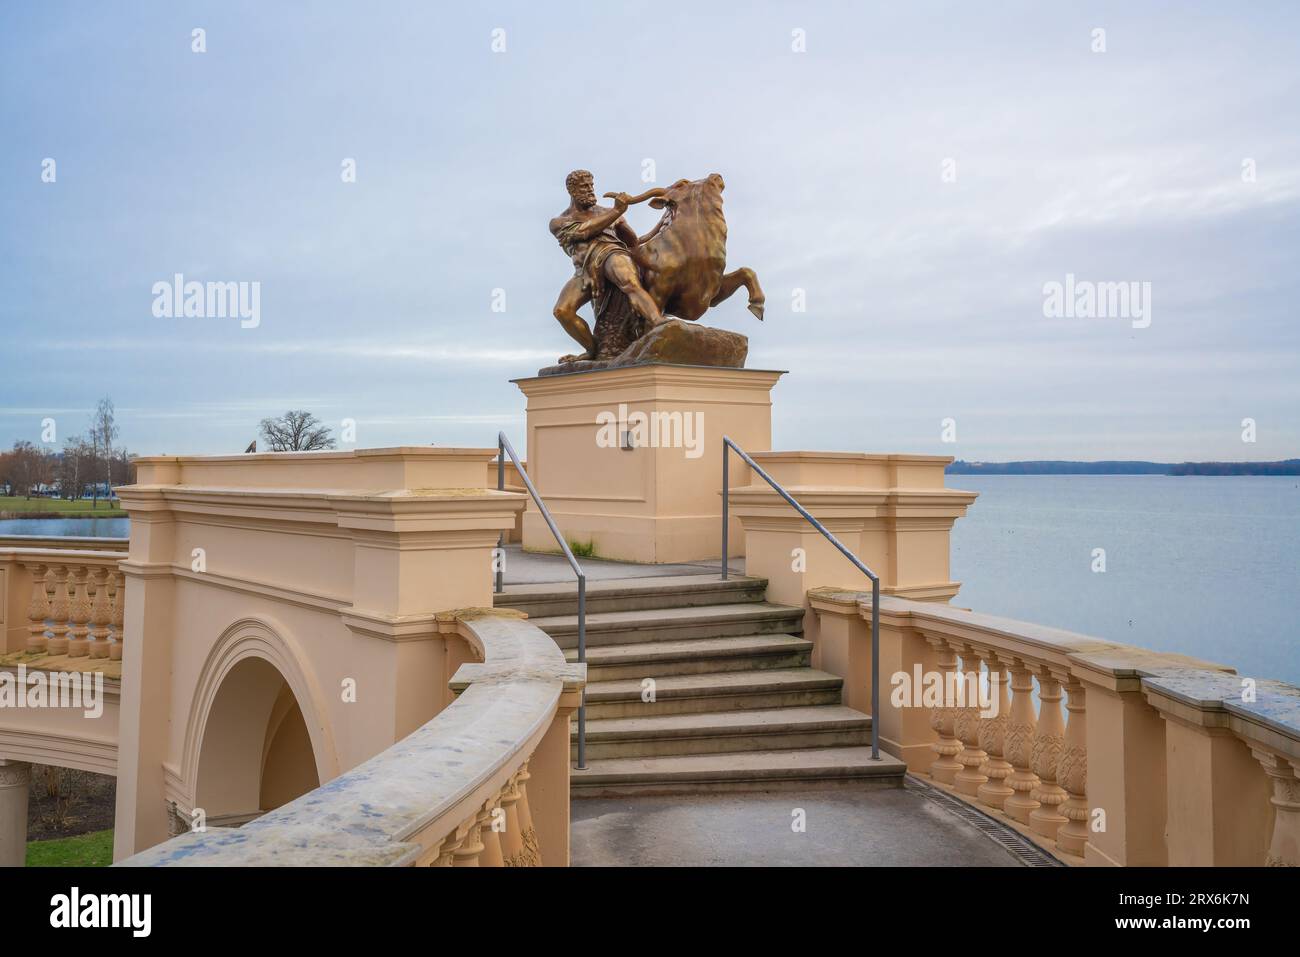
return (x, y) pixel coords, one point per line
(629, 459)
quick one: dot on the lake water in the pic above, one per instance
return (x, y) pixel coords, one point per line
(1206, 566)
(97, 527)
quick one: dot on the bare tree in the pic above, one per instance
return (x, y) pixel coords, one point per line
(103, 430)
(77, 455)
(295, 431)
(23, 466)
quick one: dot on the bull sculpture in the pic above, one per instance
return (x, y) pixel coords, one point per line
(677, 270)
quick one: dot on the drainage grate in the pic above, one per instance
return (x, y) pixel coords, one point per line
(1017, 845)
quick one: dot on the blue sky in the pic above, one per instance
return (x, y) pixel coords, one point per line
(924, 297)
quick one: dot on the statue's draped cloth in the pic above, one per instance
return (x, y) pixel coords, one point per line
(617, 324)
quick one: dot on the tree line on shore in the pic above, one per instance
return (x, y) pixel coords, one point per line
(88, 462)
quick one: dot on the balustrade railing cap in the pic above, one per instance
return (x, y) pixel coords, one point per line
(1262, 702)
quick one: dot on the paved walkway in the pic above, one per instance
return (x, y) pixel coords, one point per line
(531, 568)
(880, 827)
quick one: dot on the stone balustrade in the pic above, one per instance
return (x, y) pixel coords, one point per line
(1104, 753)
(57, 601)
(502, 801)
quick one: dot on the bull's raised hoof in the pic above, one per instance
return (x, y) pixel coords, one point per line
(675, 341)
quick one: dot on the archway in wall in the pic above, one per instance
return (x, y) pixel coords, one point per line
(256, 753)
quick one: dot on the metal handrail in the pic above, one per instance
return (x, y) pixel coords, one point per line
(504, 448)
(875, 579)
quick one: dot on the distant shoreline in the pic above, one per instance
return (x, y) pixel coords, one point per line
(1064, 467)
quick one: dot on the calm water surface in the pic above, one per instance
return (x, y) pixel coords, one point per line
(1207, 566)
(98, 527)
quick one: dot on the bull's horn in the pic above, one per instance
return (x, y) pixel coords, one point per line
(648, 194)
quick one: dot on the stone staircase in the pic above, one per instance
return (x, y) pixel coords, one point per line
(736, 705)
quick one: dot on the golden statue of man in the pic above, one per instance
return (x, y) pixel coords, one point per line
(605, 252)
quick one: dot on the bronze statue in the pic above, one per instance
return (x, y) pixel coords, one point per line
(603, 248)
(678, 269)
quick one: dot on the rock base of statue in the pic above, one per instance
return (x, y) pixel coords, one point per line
(675, 341)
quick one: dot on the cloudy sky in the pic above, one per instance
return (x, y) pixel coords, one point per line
(1171, 158)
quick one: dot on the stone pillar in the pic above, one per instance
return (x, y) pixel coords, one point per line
(148, 632)
(843, 645)
(1125, 738)
(1218, 801)
(15, 781)
(548, 786)
(905, 656)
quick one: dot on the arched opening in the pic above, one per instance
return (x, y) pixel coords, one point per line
(256, 753)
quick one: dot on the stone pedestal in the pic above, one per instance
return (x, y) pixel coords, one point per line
(630, 459)
(15, 778)
(892, 511)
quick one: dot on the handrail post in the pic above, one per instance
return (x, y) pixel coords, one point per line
(875, 669)
(501, 487)
(582, 659)
(725, 506)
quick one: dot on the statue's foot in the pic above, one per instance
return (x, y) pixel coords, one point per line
(756, 307)
(576, 357)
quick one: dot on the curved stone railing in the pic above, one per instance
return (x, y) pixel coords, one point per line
(454, 792)
(62, 601)
(1158, 759)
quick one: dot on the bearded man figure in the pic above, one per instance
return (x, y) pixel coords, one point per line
(606, 253)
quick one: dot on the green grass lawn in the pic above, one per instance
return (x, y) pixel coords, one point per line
(84, 850)
(72, 508)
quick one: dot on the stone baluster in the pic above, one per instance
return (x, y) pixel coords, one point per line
(79, 615)
(1049, 742)
(944, 768)
(469, 845)
(1018, 744)
(512, 841)
(490, 836)
(993, 732)
(119, 615)
(57, 587)
(1284, 847)
(38, 609)
(532, 852)
(101, 613)
(966, 724)
(1072, 772)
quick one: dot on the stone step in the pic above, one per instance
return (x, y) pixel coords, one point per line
(631, 594)
(742, 771)
(728, 731)
(656, 659)
(675, 624)
(723, 691)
